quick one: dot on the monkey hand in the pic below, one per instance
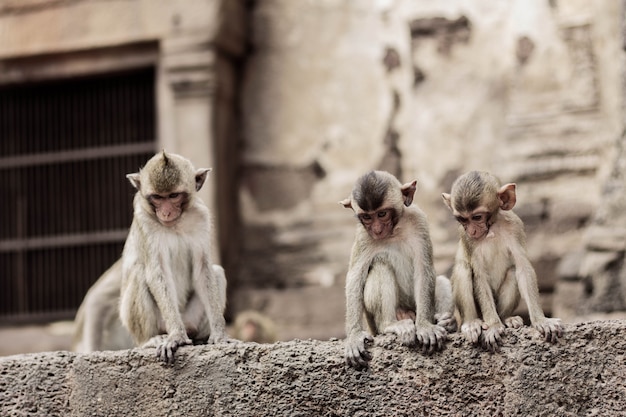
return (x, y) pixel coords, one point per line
(169, 345)
(551, 329)
(491, 338)
(473, 329)
(430, 336)
(356, 353)
(404, 331)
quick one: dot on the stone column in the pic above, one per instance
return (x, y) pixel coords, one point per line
(186, 91)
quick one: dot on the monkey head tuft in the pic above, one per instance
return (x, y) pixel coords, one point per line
(167, 172)
(372, 190)
(469, 190)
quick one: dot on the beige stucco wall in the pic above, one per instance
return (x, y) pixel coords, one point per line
(530, 90)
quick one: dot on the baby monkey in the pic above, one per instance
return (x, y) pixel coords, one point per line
(492, 269)
(171, 294)
(391, 279)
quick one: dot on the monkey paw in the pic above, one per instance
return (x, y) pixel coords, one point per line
(551, 329)
(491, 337)
(356, 353)
(404, 331)
(472, 330)
(219, 338)
(169, 345)
(514, 322)
(447, 321)
(431, 337)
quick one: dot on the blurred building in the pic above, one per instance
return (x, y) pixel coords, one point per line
(291, 101)
(89, 90)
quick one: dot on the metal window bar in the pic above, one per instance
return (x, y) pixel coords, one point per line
(65, 148)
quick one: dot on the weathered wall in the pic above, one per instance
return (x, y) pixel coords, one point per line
(530, 90)
(584, 374)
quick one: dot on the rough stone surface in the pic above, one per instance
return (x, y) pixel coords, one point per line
(584, 374)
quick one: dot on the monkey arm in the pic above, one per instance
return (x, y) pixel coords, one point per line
(356, 354)
(161, 285)
(550, 328)
(424, 292)
(429, 335)
(355, 285)
(463, 289)
(527, 282)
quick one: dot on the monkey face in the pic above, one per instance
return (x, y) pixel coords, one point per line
(476, 224)
(379, 224)
(168, 207)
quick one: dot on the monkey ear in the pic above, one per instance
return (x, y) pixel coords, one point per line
(347, 203)
(507, 196)
(201, 175)
(408, 191)
(447, 199)
(134, 180)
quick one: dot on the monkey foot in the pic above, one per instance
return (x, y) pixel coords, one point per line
(551, 329)
(404, 330)
(219, 338)
(472, 330)
(447, 321)
(514, 322)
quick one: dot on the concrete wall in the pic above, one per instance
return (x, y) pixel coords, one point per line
(581, 375)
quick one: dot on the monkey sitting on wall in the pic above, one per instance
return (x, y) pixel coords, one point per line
(170, 292)
(491, 268)
(391, 279)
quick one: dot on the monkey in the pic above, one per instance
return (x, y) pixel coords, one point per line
(252, 326)
(491, 269)
(97, 324)
(171, 295)
(391, 278)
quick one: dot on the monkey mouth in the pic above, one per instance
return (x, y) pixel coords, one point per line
(168, 223)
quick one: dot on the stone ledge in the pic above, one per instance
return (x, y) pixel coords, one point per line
(584, 374)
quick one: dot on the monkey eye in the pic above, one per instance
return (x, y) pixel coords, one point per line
(477, 217)
(156, 197)
(382, 214)
(365, 218)
(461, 220)
(174, 195)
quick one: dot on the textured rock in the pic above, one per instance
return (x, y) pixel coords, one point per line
(584, 374)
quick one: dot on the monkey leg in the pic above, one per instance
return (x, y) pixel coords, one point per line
(196, 321)
(139, 312)
(380, 297)
(444, 306)
(508, 298)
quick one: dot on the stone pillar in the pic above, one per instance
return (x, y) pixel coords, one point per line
(186, 90)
